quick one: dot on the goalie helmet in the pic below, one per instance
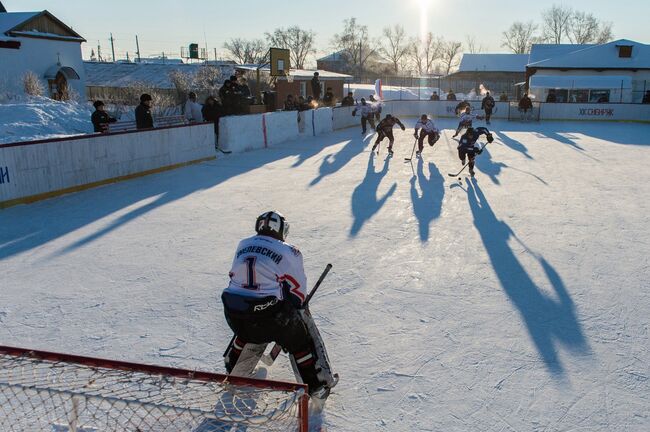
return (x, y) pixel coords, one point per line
(272, 224)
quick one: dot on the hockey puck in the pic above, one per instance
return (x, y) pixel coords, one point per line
(458, 178)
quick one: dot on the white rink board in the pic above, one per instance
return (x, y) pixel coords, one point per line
(54, 165)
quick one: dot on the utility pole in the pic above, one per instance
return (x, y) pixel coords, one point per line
(137, 47)
(113, 47)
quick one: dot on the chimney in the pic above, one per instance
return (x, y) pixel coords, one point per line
(2, 8)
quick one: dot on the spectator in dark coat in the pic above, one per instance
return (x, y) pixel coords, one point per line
(290, 104)
(315, 86)
(100, 118)
(302, 104)
(525, 107)
(348, 100)
(143, 117)
(227, 96)
(451, 96)
(328, 99)
(435, 97)
(212, 112)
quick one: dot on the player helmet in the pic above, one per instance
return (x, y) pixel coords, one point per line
(272, 224)
(145, 97)
(388, 116)
(423, 117)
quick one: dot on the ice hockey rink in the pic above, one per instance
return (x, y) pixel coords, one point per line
(517, 301)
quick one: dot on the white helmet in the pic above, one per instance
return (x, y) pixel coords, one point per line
(272, 224)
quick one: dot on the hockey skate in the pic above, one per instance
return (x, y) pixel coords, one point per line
(390, 151)
(418, 154)
(471, 172)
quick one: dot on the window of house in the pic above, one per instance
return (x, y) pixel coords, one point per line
(578, 96)
(625, 51)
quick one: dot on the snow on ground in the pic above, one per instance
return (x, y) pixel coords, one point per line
(40, 118)
(516, 302)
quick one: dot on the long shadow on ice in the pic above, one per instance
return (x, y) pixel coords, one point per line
(364, 198)
(549, 321)
(26, 227)
(335, 161)
(427, 204)
(485, 163)
(514, 144)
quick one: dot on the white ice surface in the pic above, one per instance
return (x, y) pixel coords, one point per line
(518, 303)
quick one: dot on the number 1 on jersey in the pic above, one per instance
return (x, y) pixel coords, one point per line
(250, 268)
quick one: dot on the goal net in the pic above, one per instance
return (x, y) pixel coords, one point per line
(43, 391)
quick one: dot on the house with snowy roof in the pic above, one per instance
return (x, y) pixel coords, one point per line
(39, 42)
(496, 73)
(617, 71)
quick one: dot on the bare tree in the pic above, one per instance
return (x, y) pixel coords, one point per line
(585, 28)
(298, 41)
(424, 53)
(449, 53)
(556, 21)
(354, 44)
(519, 37)
(472, 46)
(395, 45)
(247, 51)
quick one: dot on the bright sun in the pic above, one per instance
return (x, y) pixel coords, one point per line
(424, 9)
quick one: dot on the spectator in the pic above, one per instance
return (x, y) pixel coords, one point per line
(212, 112)
(488, 105)
(435, 97)
(348, 100)
(193, 109)
(315, 87)
(328, 99)
(143, 117)
(451, 96)
(289, 104)
(244, 88)
(646, 97)
(100, 118)
(227, 96)
(552, 97)
(302, 104)
(525, 105)
(503, 97)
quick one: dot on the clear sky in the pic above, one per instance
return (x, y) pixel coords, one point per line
(166, 25)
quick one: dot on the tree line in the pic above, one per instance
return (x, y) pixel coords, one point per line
(396, 52)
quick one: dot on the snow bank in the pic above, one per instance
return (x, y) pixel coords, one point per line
(35, 170)
(42, 118)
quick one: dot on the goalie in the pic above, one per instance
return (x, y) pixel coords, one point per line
(264, 303)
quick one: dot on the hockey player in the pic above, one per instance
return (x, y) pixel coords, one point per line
(466, 120)
(367, 115)
(385, 130)
(264, 303)
(467, 146)
(428, 130)
(487, 104)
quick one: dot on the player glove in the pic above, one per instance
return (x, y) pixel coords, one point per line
(403, 128)
(354, 113)
(415, 134)
(490, 138)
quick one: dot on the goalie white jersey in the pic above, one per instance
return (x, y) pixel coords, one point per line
(263, 264)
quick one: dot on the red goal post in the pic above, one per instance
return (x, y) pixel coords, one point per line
(47, 391)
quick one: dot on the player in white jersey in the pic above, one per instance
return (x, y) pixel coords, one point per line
(466, 120)
(428, 130)
(263, 301)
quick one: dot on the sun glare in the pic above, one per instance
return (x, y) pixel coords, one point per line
(423, 11)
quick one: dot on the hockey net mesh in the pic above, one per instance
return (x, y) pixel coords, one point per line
(38, 394)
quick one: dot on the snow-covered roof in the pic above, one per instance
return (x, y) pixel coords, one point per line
(9, 20)
(493, 63)
(335, 56)
(120, 75)
(539, 52)
(605, 56)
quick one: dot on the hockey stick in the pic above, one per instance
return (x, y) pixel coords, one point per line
(269, 358)
(224, 151)
(465, 166)
(412, 151)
